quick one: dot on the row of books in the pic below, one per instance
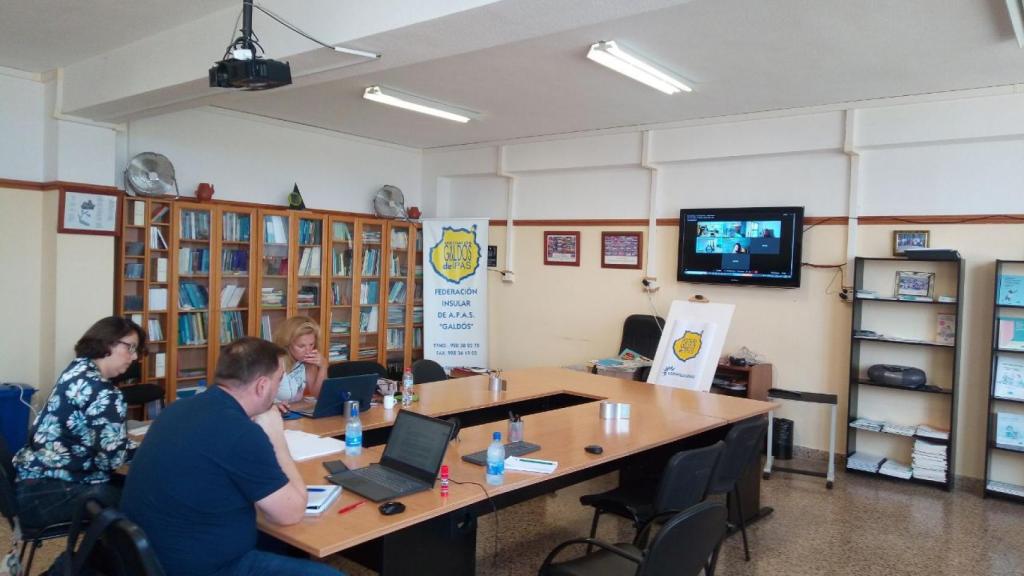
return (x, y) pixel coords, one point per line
(275, 265)
(417, 314)
(309, 261)
(192, 296)
(399, 239)
(156, 239)
(154, 330)
(371, 262)
(308, 296)
(310, 232)
(194, 225)
(337, 352)
(265, 331)
(369, 292)
(342, 261)
(192, 329)
(134, 270)
(341, 296)
(231, 295)
(930, 461)
(194, 261)
(396, 266)
(396, 338)
(397, 292)
(367, 352)
(396, 315)
(236, 227)
(368, 319)
(371, 235)
(919, 430)
(160, 214)
(341, 231)
(340, 325)
(235, 260)
(232, 326)
(272, 296)
(417, 338)
(275, 229)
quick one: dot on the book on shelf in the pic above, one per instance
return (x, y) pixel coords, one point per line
(368, 319)
(340, 325)
(157, 299)
(337, 352)
(342, 261)
(272, 296)
(265, 331)
(396, 315)
(417, 337)
(310, 231)
(236, 227)
(161, 269)
(1006, 488)
(397, 292)
(864, 462)
(1011, 290)
(1010, 430)
(371, 235)
(369, 292)
(341, 231)
(926, 431)
(275, 230)
(399, 239)
(193, 260)
(154, 329)
(156, 239)
(192, 329)
(192, 296)
(341, 296)
(1009, 381)
(231, 295)
(945, 328)
(395, 338)
(132, 302)
(194, 225)
(1011, 334)
(235, 260)
(371, 262)
(275, 265)
(160, 214)
(232, 326)
(367, 352)
(929, 461)
(137, 318)
(159, 365)
(134, 248)
(309, 261)
(308, 295)
(417, 314)
(395, 267)
(134, 270)
(138, 213)
(896, 469)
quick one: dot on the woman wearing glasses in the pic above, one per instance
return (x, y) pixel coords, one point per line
(80, 437)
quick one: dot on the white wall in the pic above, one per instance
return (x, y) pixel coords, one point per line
(254, 160)
(21, 127)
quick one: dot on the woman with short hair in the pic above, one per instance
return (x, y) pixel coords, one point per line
(305, 368)
(80, 437)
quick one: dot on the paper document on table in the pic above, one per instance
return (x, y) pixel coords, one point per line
(530, 465)
(303, 445)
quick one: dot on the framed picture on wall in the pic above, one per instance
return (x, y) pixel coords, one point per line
(903, 239)
(562, 248)
(92, 212)
(622, 250)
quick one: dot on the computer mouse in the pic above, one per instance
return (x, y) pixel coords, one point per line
(392, 507)
(594, 449)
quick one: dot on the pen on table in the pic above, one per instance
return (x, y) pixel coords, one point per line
(351, 507)
(316, 490)
(530, 460)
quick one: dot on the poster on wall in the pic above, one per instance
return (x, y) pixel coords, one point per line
(690, 345)
(455, 292)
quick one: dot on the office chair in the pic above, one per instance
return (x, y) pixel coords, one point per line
(425, 370)
(687, 543)
(356, 368)
(684, 483)
(641, 333)
(9, 507)
(742, 446)
(112, 545)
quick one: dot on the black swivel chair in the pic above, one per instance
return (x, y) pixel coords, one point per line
(425, 370)
(742, 446)
(113, 545)
(9, 507)
(687, 543)
(641, 333)
(684, 482)
(356, 368)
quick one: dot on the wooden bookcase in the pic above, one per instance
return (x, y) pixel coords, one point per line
(890, 329)
(226, 270)
(1004, 463)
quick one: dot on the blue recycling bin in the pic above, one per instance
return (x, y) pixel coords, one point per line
(14, 414)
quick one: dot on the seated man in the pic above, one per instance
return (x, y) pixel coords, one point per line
(209, 462)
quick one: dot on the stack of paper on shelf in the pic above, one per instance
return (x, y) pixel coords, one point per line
(864, 461)
(899, 429)
(897, 469)
(1006, 488)
(930, 461)
(867, 424)
(925, 431)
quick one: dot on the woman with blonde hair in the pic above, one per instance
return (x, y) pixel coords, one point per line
(305, 367)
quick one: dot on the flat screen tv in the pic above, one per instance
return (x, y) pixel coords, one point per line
(756, 246)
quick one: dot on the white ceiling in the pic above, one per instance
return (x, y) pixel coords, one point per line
(40, 35)
(532, 77)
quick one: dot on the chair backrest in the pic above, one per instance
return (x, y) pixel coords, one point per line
(686, 477)
(356, 368)
(742, 444)
(425, 370)
(641, 333)
(685, 543)
(8, 500)
(122, 550)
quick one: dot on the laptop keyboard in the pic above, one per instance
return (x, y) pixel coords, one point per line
(387, 478)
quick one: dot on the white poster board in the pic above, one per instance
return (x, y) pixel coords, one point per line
(455, 292)
(691, 345)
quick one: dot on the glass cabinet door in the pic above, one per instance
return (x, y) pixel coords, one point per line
(192, 298)
(368, 286)
(274, 273)
(309, 274)
(340, 327)
(235, 261)
(398, 297)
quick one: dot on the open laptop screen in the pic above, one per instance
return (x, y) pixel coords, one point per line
(417, 445)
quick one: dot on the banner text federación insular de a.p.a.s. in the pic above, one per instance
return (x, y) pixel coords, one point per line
(455, 292)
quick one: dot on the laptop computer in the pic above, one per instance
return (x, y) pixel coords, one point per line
(334, 393)
(411, 460)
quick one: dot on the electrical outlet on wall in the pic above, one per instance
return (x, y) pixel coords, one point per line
(650, 284)
(508, 276)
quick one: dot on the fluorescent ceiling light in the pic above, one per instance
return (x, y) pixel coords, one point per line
(611, 55)
(1016, 11)
(416, 104)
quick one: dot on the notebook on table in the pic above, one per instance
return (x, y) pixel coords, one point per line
(334, 392)
(411, 460)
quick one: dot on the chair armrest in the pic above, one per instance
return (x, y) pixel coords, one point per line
(590, 542)
(640, 539)
(610, 504)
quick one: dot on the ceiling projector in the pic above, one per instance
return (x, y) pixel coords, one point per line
(250, 74)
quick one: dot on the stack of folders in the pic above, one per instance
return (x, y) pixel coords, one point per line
(1006, 488)
(925, 431)
(896, 469)
(930, 461)
(867, 424)
(899, 429)
(319, 497)
(864, 462)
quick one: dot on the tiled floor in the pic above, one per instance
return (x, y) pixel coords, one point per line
(864, 526)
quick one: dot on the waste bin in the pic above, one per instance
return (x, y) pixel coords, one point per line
(782, 438)
(14, 400)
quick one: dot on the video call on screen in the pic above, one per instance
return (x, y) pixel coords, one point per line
(749, 247)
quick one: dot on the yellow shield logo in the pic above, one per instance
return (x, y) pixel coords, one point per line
(457, 255)
(688, 346)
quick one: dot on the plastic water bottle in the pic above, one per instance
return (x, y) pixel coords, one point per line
(354, 433)
(407, 387)
(496, 461)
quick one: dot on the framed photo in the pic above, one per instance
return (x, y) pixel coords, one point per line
(622, 250)
(93, 212)
(903, 239)
(562, 248)
(914, 284)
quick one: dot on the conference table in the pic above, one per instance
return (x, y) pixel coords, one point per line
(560, 410)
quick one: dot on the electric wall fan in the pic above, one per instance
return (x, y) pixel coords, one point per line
(150, 174)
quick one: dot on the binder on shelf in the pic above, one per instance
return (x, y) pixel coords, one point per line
(161, 269)
(159, 364)
(157, 299)
(138, 213)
